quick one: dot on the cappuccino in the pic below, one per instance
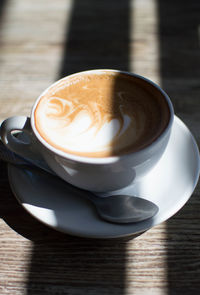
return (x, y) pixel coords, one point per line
(101, 114)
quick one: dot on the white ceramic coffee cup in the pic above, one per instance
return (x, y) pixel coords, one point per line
(94, 174)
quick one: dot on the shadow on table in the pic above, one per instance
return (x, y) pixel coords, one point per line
(98, 36)
(180, 73)
(2, 7)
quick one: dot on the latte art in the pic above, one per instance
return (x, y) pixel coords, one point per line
(100, 115)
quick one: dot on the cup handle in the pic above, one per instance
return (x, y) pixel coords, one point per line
(25, 144)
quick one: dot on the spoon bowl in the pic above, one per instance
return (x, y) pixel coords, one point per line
(123, 208)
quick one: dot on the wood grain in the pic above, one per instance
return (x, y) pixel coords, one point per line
(41, 41)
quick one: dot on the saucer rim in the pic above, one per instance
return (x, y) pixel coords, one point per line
(150, 224)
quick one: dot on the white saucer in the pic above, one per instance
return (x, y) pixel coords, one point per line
(169, 185)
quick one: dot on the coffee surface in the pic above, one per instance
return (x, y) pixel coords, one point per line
(101, 115)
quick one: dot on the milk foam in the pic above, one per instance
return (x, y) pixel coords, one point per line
(82, 134)
(100, 115)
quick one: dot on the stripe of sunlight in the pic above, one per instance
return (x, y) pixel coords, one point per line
(4, 10)
(145, 47)
(147, 266)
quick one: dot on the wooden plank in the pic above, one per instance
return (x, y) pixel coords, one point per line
(39, 42)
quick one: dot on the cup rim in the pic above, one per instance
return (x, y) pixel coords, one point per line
(102, 160)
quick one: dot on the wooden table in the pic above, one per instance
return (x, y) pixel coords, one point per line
(41, 41)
